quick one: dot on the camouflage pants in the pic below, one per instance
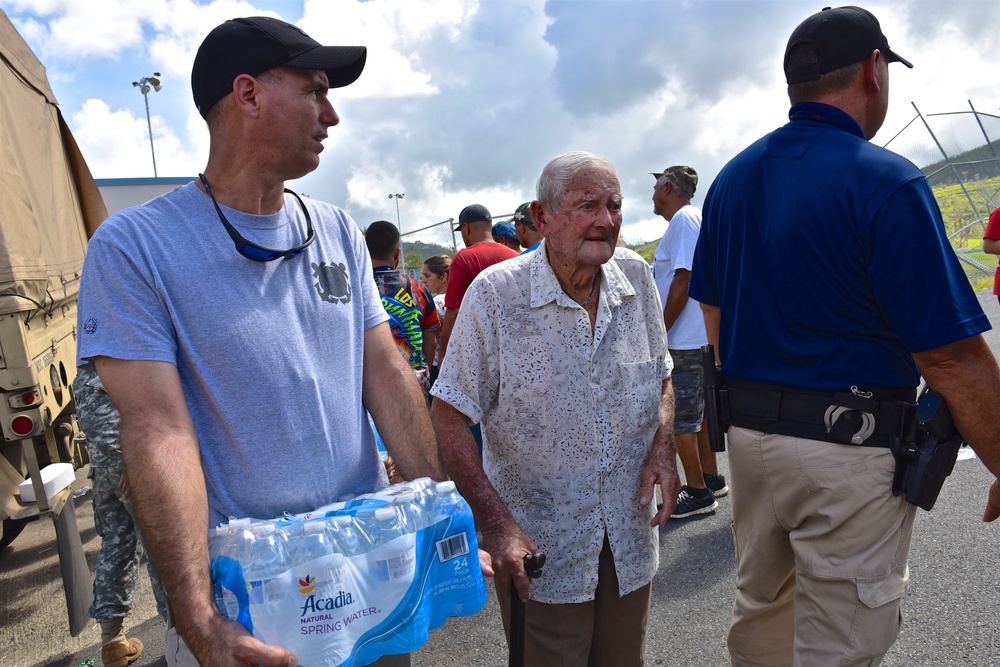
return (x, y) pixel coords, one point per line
(121, 552)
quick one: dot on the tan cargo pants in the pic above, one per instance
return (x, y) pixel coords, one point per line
(821, 550)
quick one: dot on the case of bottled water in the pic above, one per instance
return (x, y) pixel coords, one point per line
(353, 581)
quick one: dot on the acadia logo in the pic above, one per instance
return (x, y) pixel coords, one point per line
(312, 605)
(308, 585)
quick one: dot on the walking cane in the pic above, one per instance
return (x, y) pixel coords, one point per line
(533, 564)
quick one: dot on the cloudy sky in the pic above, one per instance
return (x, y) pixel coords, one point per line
(463, 101)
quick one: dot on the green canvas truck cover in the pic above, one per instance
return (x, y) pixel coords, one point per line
(49, 202)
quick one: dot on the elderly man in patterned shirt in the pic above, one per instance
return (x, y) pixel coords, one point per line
(561, 354)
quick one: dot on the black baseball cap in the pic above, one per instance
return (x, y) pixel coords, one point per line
(254, 45)
(473, 213)
(840, 36)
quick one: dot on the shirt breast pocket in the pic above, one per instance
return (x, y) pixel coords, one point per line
(639, 384)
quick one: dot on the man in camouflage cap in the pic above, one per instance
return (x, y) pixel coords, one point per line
(683, 178)
(527, 235)
(682, 317)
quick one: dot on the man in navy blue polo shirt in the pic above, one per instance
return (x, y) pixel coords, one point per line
(826, 279)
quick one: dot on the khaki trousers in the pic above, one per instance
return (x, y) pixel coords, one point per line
(821, 549)
(608, 631)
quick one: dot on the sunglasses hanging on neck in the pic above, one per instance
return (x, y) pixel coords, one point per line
(251, 250)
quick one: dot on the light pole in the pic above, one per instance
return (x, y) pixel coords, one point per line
(143, 85)
(397, 197)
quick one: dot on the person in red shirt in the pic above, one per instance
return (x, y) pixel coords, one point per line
(991, 244)
(476, 226)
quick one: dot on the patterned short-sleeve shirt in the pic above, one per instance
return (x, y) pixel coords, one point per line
(568, 412)
(411, 311)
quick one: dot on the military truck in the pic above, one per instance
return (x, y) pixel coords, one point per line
(49, 207)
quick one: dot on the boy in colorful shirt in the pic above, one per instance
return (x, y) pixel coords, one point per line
(412, 314)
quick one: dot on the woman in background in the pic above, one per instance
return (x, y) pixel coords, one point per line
(434, 274)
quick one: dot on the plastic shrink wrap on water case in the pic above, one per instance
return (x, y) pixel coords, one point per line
(353, 581)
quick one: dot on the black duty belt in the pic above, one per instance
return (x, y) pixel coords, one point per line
(854, 417)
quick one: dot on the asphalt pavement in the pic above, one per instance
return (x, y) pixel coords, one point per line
(951, 612)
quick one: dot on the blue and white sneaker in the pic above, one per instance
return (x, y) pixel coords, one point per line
(690, 504)
(717, 483)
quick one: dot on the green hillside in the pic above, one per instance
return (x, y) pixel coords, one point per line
(975, 165)
(647, 250)
(959, 217)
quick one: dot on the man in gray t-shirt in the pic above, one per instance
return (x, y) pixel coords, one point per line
(242, 373)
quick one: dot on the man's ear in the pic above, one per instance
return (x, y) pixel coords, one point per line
(538, 217)
(873, 72)
(395, 257)
(247, 94)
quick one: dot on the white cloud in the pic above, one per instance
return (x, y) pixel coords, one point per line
(396, 34)
(97, 28)
(118, 140)
(464, 101)
(370, 190)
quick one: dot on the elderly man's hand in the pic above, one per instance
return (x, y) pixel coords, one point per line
(507, 545)
(660, 468)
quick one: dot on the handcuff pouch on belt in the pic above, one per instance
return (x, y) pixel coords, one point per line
(921, 434)
(855, 417)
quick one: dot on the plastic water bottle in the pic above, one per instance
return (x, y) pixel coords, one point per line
(397, 558)
(347, 535)
(267, 560)
(292, 530)
(447, 501)
(232, 552)
(388, 525)
(425, 496)
(368, 525)
(217, 537)
(409, 514)
(316, 548)
(312, 542)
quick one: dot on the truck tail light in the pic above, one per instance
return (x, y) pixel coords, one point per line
(24, 400)
(22, 425)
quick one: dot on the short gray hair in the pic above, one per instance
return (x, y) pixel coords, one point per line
(560, 170)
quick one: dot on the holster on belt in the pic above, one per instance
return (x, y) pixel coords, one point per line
(716, 401)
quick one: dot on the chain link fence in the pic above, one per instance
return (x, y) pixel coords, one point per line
(958, 152)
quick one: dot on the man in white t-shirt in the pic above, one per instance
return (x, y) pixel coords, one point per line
(685, 336)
